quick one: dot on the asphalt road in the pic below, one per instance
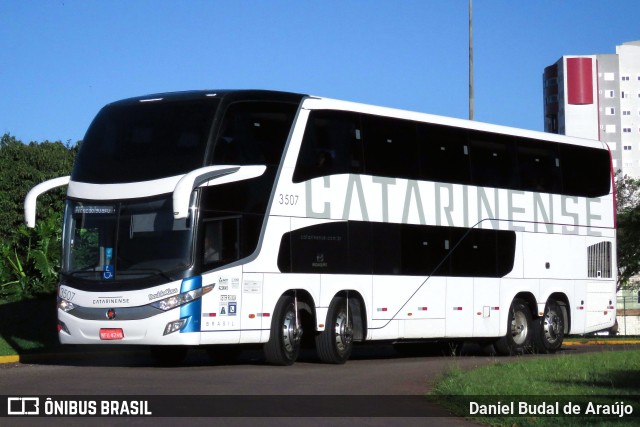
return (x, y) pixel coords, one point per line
(373, 371)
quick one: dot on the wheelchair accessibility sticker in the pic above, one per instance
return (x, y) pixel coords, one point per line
(228, 309)
(108, 272)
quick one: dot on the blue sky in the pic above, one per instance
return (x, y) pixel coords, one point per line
(62, 60)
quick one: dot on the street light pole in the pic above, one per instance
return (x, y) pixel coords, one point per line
(471, 98)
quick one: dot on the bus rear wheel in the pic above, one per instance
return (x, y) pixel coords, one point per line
(283, 346)
(548, 330)
(519, 326)
(335, 343)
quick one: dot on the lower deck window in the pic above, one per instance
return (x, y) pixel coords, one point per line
(356, 247)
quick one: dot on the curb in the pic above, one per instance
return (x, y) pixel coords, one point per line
(10, 359)
(30, 358)
(602, 342)
(38, 357)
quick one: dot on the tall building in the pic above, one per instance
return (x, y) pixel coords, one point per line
(598, 97)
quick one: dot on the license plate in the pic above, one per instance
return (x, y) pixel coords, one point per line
(111, 334)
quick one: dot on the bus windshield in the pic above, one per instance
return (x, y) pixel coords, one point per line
(125, 240)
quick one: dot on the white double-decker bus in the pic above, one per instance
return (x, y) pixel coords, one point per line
(222, 218)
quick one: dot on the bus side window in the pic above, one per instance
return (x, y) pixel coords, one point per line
(474, 253)
(444, 153)
(538, 166)
(425, 250)
(221, 241)
(585, 171)
(319, 248)
(492, 161)
(390, 147)
(332, 144)
(254, 133)
(387, 248)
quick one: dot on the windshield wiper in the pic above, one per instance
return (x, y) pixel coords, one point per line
(130, 272)
(88, 270)
(135, 271)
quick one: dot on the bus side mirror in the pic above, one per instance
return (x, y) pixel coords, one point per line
(32, 196)
(186, 185)
(195, 178)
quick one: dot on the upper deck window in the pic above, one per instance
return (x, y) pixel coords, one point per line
(339, 142)
(143, 141)
(254, 133)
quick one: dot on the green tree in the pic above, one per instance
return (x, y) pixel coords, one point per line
(30, 259)
(22, 166)
(628, 232)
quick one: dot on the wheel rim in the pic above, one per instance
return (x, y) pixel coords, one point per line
(291, 334)
(552, 327)
(519, 327)
(343, 332)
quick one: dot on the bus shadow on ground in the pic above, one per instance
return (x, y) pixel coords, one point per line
(29, 326)
(140, 356)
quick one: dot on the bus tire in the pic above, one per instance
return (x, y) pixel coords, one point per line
(335, 343)
(519, 330)
(548, 330)
(283, 346)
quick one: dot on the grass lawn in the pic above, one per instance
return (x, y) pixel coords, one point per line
(605, 378)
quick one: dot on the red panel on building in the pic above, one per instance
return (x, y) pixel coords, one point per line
(579, 81)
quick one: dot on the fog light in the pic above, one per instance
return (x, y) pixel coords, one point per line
(174, 326)
(62, 327)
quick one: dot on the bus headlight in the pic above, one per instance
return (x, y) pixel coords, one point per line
(181, 299)
(65, 305)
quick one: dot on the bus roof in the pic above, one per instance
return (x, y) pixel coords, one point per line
(227, 94)
(317, 102)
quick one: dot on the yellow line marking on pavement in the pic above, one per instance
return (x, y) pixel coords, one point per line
(601, 342)
(9, 359)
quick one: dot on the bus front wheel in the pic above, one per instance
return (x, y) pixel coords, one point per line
(519, 326)
(335, 343)
(283, 346)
